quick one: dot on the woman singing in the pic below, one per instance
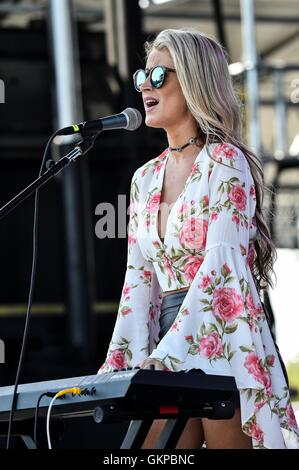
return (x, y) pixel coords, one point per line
(199, 249)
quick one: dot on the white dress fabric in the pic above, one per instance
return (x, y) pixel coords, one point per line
(220, 327)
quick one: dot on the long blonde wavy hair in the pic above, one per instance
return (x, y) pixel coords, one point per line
(202, 70)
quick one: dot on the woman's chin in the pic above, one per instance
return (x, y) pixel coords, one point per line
(152, 121)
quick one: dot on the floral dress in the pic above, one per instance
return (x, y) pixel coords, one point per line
(220, 327)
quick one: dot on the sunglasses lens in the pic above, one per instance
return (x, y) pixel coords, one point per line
(158, 76)
(139, 79)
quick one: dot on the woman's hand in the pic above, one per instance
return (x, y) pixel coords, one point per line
(147, 362)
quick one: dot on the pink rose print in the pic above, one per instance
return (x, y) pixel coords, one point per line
(291, 416)
(260, 312)
(193, 169)
(206, 200)
(270, 360)
(252, 191)
(252, 364)
(205, 282)
(185, 311)
(266, 381)
(184, 209)
(117, 359)
(126, 310)
(147, 275)
(167, 265)
(227, 268)
(250, 304)
(254, 367)
(162, 155)
(158, 167)
(131, 240)
(236, 219)
(227, 304)
(256, 433)
(189, 339)
(213, 215)
(225, 149)
(210, 346)
(259, 405)
(238, 197)
(251, 324)
(153, 202)
(194, 233)
(126, 291)
(175, 325)
(191, 267)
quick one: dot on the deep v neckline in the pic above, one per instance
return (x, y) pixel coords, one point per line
(160, 189)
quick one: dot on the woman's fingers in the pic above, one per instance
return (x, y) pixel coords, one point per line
(148, 362)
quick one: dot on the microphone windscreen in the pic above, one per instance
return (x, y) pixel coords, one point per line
(134, 118)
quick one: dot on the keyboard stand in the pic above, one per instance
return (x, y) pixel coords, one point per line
(136, 434)
(28, 441)
(171, 432)
(24, 430)
(138, 430)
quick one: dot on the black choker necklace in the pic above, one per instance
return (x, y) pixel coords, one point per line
(192, 141)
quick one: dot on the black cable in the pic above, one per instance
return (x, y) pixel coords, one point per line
(84, 391)
(30, 296)
(47, 394)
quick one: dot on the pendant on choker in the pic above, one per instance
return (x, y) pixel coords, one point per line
(192, 141)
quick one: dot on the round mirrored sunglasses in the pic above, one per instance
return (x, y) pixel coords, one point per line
(157, 76)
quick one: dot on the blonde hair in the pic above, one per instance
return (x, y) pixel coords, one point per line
(202, 70)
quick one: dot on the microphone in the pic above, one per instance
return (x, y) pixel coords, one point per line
(130, 119)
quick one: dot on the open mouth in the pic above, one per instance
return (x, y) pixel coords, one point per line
(150, 104)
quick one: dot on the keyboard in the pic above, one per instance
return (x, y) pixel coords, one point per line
(124, 393)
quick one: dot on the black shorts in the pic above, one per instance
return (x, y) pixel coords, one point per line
(171, 304)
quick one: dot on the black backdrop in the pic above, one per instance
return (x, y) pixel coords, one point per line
(26, 123)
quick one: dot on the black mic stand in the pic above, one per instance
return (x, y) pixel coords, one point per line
(81, 148)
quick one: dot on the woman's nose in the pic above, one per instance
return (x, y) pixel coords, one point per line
(146, 85)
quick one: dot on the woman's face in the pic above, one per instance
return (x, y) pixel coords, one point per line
(171, 108)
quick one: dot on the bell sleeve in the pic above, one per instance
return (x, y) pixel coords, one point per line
(129, 344)
(221, 327)
(219, 299)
